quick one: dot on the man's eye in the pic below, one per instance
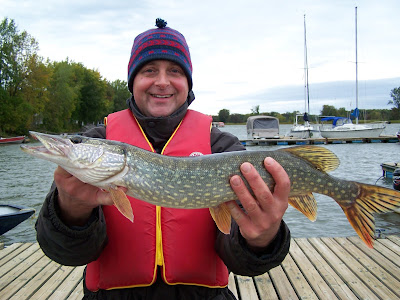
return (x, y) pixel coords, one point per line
(177, 70)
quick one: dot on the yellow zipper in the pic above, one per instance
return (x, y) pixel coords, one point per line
(159, 249)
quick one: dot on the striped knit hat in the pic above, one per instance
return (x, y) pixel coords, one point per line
(160, 43)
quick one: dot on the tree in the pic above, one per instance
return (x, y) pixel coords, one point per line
(255, 110)
(328, 110)
(395, 94)
(120, 94)
(223, 115)
(18, 59)
(64, 93)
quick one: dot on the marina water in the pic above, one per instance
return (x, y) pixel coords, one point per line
(25, 180)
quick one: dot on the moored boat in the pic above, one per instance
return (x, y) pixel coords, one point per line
(346, 128)
(12, 215)
(262, 127)
(12, 140)
(305, 130)
(342, 127)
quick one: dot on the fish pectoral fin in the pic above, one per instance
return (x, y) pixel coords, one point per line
(306, 204)
(222, 217)
(121, 202)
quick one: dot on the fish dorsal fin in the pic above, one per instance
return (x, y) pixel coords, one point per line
(321, 158)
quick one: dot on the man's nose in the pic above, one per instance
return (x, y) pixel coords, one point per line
(162, 79)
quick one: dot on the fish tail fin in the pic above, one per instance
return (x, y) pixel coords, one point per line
(306, 204)
(222, 217)
(122, 203)
(371, 199)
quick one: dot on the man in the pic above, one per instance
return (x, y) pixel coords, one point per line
(165, 253)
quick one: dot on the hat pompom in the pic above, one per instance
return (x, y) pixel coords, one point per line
(160, 23)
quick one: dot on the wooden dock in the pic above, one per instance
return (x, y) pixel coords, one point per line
(316, 268)
(317, 141)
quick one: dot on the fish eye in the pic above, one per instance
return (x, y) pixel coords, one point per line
(76, 139)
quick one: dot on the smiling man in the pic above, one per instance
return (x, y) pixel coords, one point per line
(165, 253)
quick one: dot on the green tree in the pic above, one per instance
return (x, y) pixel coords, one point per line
(64, 95)
(255, 110)
(395, 94)
(92, 103)
(120, 94)
(328, 110)
(223, 115)
(18, 53)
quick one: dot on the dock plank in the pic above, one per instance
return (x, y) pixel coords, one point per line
(12, 254)
(283, 287)
(22, 281)
(296, 278)
(395, 239)
(353, 262)
(382, 255)
(379, 273)
(315, 268)
(71, 282)
(333, 280)
(232, 285)
(246, 287)
(354, 283)
(265, 287)
(313, 280)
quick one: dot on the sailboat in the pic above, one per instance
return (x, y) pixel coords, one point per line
(305, 130)
(342, 127)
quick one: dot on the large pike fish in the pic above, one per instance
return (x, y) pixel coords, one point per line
(203, 181)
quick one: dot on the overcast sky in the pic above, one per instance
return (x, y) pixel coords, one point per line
(244, 53)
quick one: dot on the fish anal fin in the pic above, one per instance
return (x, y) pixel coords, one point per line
(122, 203)
(321, 158)
(222, 217)
(306, 204)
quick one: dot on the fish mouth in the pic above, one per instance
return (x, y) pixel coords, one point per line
(51, 145)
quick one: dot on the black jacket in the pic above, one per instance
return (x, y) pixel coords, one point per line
(81, 245)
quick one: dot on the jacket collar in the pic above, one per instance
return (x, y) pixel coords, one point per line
(158, 129)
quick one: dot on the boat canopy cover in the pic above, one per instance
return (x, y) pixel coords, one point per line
(335, 120)
(265, 123)
(355, 113)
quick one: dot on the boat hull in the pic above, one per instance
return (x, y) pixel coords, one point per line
(359, 133)
(12, 215)
(12, 140)
(349, 130)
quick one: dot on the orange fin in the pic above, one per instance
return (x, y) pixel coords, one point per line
(122, 203)
(222, 217)
(306, 204)
(370, 199)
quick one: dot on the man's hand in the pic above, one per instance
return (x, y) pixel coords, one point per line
(261, 220)
(77, 199)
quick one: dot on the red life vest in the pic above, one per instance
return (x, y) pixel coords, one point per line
(180, 241)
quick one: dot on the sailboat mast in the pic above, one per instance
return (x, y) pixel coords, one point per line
(356, 72)
(306, 90)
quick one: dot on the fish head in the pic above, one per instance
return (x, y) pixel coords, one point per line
(93, 161)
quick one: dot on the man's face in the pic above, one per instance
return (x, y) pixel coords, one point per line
(160, 88)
